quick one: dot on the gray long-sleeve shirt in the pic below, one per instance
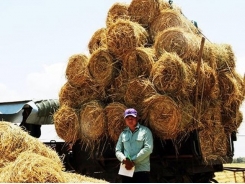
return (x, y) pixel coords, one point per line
(137, 146)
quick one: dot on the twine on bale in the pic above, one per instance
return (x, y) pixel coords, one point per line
(208, 85)
(76, 70)
(115, 120)
(138, 63)
(144, 12)
(137, 90)
(170, 75)
(30, 167)
(14, 141)
(213, 142)
(92, 123)
(102, 67)
(162, 115)
(66, 123)
(176, 39)
(124, 36)
(117, 11)
(98, 40)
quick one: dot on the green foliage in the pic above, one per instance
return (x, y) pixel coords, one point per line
(239, 160)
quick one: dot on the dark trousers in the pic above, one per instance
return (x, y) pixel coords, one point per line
(138, 177)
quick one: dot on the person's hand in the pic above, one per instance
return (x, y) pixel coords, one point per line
(128, 164)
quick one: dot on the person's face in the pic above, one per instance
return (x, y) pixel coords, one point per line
(131, 122)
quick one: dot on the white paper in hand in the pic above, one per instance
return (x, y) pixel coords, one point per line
(123, 171)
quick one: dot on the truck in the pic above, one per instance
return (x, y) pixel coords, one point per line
(173, 160)
(170, 161)
(180, 160)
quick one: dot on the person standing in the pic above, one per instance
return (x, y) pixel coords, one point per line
(133, 148)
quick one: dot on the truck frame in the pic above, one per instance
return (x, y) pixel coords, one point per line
(170, 163)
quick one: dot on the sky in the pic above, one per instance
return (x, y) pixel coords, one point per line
(38, 36)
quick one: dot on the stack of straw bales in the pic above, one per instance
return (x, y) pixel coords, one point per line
(24, 159)
(146, 57)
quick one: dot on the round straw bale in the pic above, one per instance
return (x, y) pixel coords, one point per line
(66, 123)
(91, 90)
(117, 10)
(92, 122)
(98, 40)
(166, 19)
(138, 63)
(14, 141)
(231, 120)
(102, 67)
(75, 96)
(137, 90)
(225, 59)
(165, 6)
(124, 36)
(210, 113)
(186, 109)
(118, 88)
(77, 178)
(163, 116)
(213, 142)
(231, 88)
(209, 55)
(115, 120)
(144, 12)
(208, 84)
(172, 76)
(30, 167)
(176, 39)
(76, 70)
(68, 95)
